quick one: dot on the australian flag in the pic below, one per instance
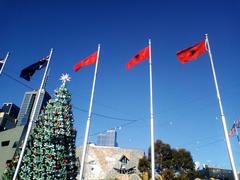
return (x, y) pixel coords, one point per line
(237, 123)
(28, 72)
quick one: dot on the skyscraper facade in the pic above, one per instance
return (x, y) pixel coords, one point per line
(107, 139)
(27, 106)
(8, 116)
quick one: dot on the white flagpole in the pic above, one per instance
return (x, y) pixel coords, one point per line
(31, 118)
(222, 114)
(88, 120)
(151, 114)
(5, 60)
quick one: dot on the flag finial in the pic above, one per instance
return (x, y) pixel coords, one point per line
(206, 35)
(64, 78)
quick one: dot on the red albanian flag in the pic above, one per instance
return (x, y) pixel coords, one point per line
(87, 61)
(192, 53)
(142, 55)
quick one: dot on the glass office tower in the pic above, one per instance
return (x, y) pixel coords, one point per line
(27, 106)
(107, 139)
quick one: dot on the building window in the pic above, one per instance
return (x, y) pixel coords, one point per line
(15, 144)
(5, 143)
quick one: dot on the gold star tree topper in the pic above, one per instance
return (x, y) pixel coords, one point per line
(65, 78)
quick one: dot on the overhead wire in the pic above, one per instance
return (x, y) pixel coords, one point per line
(105, 116)
(75, 107)
(16, 80)
(129, 121)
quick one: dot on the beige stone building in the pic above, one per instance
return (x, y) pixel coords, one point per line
(103, 162)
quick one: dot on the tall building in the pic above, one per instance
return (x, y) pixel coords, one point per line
(8, 116)
(10, 139)
(107, 139)
(28, 103)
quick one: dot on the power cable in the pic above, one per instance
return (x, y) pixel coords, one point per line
(211, 143)
(14, 79)
(130, 121)
(75, 107)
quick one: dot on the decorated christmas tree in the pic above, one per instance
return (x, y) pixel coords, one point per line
(50, 152)
(11, 166)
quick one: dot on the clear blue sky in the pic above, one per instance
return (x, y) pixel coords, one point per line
(185, 103)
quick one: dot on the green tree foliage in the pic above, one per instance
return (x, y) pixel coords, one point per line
(182, 161)
(50, 151)
(11, 166)
(144, 165)
(171, 164)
